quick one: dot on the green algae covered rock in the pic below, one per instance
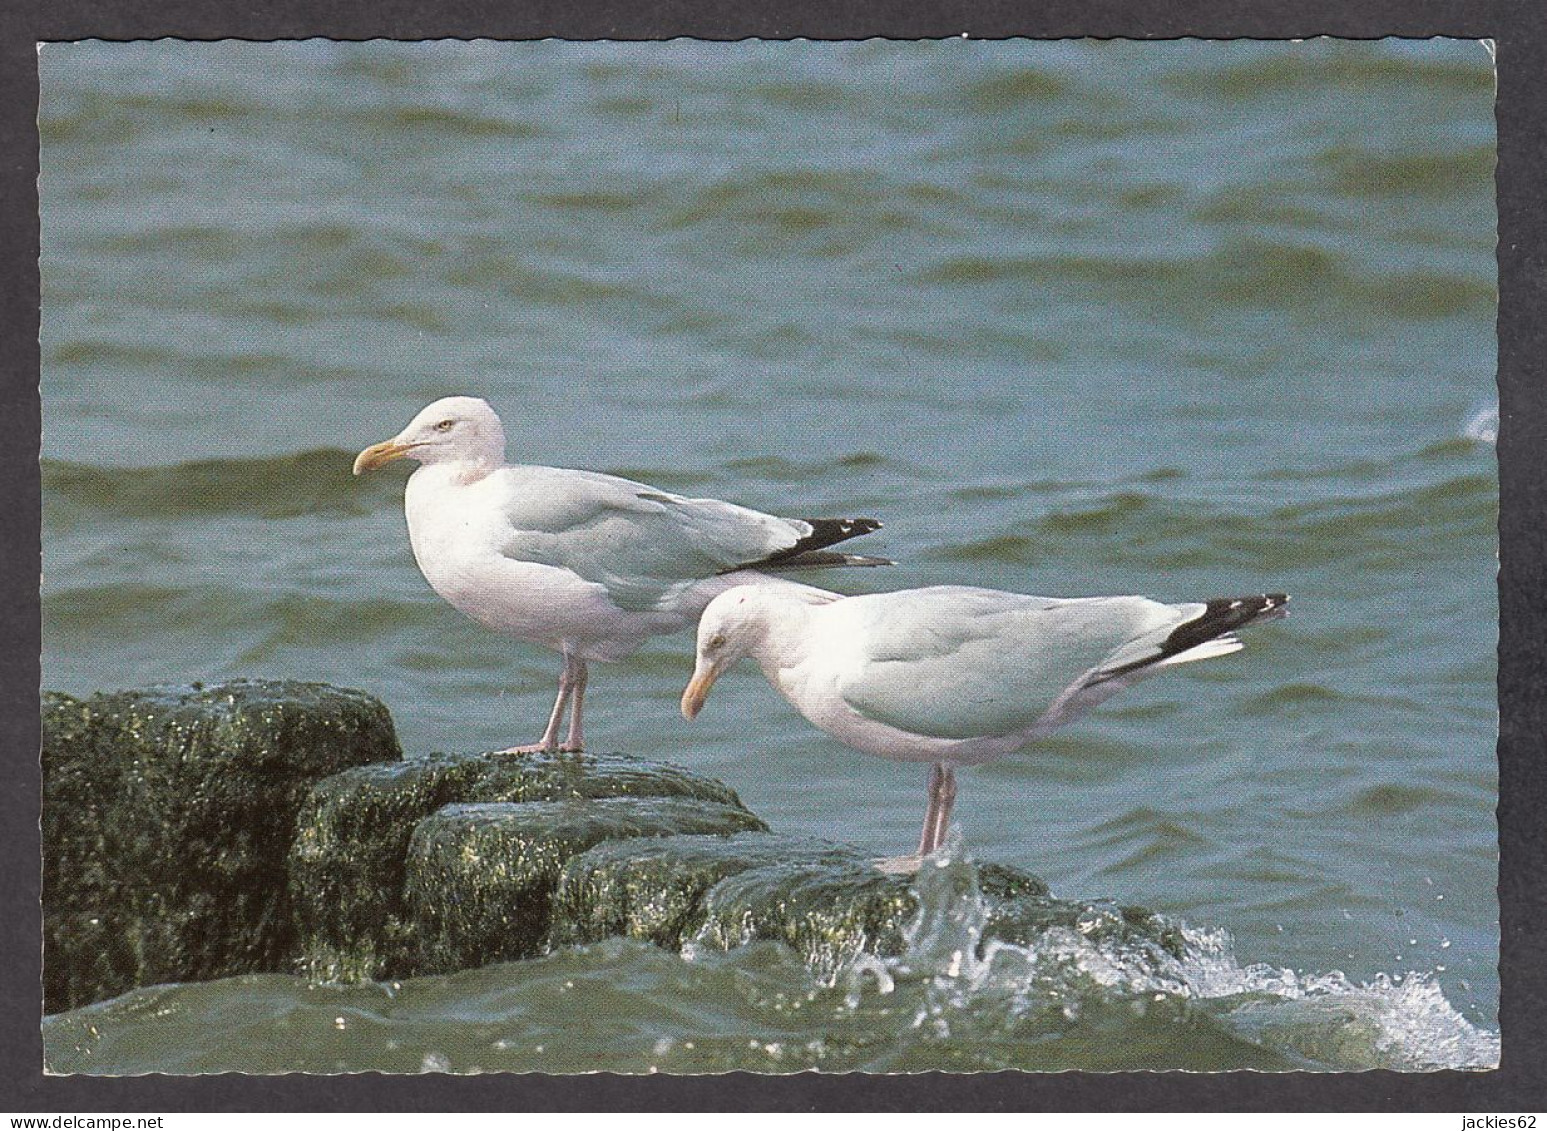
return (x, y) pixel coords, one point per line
(653, 890)
(348, 864)
(826, 901)
(197, 833)
(167, 819)
(481, 877)
(1020, 910)
(829, 904)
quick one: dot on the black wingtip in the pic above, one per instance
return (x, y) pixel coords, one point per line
(1220, 616)
(825, 532)
(1226, 614)
(832, 530)
(825, 559)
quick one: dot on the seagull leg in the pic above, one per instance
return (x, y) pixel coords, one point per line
(946, 799)
(577, 676)
(932, 811)
(549, 743)
(934, 827)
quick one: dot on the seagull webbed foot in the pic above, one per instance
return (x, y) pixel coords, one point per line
(531, 748)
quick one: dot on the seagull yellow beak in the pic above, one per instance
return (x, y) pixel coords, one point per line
(378, 454)
(698, 690)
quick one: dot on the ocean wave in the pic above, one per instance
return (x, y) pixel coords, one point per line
(1368, 470)
(93, 116)
(259, 622)
(1470, 500)
(386, 121)
(318, 482)
(781, 469)
(1013, 88)
(1318, 697)
(1237, 271)
(1326, 1021)
(1168, 531)
(1325, 64)
(1144, 835)
(310, 482)
(848, 208)
(1361, 172)
(1017, 549)
(1395, 797)
(511, 271)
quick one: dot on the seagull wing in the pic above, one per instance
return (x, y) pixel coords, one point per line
(957, 662)
(645, 546)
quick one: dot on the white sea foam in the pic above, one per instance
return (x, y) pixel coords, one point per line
(1396, 1021)
(1482, 424)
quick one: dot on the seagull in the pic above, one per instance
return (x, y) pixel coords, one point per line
(953, 675)
(587, 564)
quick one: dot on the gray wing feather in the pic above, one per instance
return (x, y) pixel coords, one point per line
(953, 662)
(642, 544)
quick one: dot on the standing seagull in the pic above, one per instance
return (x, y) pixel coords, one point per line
(953, 675)
(589, 565)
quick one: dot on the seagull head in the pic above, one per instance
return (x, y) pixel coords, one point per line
(452, 430)
(738, 623)
(731, 627)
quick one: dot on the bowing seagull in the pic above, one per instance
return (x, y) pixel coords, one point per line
(953, 675)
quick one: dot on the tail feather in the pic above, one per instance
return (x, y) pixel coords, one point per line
(825, 559)
(1209, 633)
(825, 532)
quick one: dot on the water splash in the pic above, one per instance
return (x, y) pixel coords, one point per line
(1073, 978)
(1482, 424)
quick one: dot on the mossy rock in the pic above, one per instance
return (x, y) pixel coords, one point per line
(1022, 912)
(253, 827)
(167, 820)
(348, 863)
(828, 902)
(653, 890)
(480, 878)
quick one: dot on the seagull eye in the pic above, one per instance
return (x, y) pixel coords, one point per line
(444, 426)
(717, 641)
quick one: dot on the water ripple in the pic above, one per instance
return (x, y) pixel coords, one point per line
(310, 482)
